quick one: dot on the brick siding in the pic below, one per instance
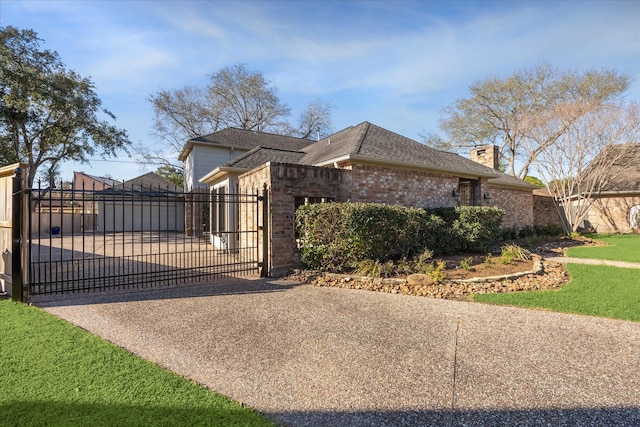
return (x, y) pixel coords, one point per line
(360, 183)
(545, 211)
(517, 204)
(611, 214)
(374, 184)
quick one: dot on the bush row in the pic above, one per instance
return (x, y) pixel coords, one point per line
(547, 230)
(337, 236)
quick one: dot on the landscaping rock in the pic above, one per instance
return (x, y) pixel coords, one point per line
(546, 275)
(419, 280)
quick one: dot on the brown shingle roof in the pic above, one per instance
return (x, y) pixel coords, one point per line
(148, 182)
(261, 155)
(504, 180)
(246, 140)
(623, 164)
(368, 141)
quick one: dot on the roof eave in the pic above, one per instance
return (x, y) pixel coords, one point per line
(617, 193)
(358, 158)
(524, 186)
(220, 172)
(188, 146)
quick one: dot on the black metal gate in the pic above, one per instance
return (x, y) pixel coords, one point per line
(79, 240)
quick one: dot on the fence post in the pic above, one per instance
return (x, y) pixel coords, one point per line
(265, 232)
(16, 238)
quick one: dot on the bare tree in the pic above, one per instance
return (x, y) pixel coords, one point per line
(179, 115)
(434, 140)
(245, 99)
(313, 123)
(500, 111)
(235, 97)
(315, 120)
(581, 164)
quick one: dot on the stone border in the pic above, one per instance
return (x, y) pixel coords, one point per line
(545, 275)
(538, 268)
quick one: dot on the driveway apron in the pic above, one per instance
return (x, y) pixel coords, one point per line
(313, 356)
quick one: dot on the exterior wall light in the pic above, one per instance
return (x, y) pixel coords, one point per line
(487, 197)
(456, 195)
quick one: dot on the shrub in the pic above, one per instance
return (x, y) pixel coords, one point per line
(513, 252)
(477, 227)
(375, 268)
(422, 262)
(509, 233)
(336, 236)
(549, 230)
(469, 227)
(404, 267)
(488, 260)
(437, 272)
(466, 263)
(527, 231)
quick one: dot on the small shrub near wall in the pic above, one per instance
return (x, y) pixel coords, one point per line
(471, 228)
(477, 227)
(546, 230)
(337, 236)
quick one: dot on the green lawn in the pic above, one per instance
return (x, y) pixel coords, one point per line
(593, 290)
(53, 373)
(622, 247)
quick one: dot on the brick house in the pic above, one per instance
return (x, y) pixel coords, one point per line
(363, 163)
(616, 204)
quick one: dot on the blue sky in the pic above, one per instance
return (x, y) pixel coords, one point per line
(392, 63)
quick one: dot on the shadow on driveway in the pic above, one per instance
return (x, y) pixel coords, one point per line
(226, 286)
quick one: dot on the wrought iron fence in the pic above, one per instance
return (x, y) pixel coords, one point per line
(136, 236)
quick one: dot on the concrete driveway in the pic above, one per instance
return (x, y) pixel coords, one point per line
(311, 356)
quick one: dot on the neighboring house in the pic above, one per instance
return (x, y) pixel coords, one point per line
(86, 182)
(146, 203)
(202, 154)
(616, 206)
(363, 163)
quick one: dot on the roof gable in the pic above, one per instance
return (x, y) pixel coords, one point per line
(100, 179)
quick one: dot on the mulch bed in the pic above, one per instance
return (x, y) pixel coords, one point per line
(461, 284)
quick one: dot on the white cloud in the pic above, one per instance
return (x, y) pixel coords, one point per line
(393, 63)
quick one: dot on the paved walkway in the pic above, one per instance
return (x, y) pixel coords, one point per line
(567, 260)
(314, 356)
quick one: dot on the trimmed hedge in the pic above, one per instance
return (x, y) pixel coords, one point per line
(337, 236)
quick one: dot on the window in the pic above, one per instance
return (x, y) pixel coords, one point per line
(218, 210)
(634, 217)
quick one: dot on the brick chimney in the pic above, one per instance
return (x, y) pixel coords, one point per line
(485, 155)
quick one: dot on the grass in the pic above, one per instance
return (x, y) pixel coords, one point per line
(593, 290)
(53, 373)
(622, 247)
